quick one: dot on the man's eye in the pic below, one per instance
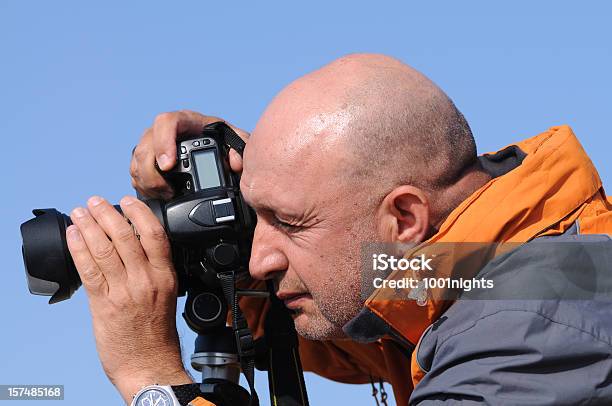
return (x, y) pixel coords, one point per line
(286, 227)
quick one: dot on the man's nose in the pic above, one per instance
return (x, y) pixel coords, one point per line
(267, 258)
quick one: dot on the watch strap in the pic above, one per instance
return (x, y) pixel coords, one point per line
(188, 393)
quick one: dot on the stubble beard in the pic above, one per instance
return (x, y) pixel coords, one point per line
(343, 297)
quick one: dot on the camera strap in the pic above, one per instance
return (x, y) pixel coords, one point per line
(230, 138)
(244, 338)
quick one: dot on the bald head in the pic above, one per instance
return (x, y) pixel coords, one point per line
(374, 116)
(406, 130)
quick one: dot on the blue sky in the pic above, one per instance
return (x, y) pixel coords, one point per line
(80, 82)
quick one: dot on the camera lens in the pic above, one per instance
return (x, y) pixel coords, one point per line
(50, 270)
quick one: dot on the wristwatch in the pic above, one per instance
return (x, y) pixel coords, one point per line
(155, 395)
(180, 395)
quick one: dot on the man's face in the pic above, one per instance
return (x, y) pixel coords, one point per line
(310, 227)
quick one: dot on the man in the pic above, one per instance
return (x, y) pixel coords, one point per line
(366, 149)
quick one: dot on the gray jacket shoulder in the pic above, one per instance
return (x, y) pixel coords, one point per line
(509, 348)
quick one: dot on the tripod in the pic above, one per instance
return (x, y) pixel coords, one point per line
(219, 359)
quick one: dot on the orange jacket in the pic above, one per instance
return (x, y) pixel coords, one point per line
(553, 186)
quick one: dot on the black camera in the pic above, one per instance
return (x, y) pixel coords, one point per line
(209, 225)
(210, 228)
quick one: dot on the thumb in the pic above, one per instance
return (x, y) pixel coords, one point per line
(168, 126)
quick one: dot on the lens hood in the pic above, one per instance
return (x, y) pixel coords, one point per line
(49, 267)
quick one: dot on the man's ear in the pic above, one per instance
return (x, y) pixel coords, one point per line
(403, 215)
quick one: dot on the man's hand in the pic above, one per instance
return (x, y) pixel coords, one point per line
(132, 289)
(158, 143)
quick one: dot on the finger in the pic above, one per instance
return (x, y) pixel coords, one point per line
(166, 129)
(145, 177)
(100, 247)
(92, 277)
(152, 234)
(120, 232)
(235, 161)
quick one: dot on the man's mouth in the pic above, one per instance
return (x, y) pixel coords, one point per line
(294, 300)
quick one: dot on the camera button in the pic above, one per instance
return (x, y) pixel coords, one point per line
(185, 163)
(223, 210)
(196, 143)
(183, 149)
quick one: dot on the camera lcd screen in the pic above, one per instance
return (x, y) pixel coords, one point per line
(206, 168)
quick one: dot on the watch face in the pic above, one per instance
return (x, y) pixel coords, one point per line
(154, 397)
